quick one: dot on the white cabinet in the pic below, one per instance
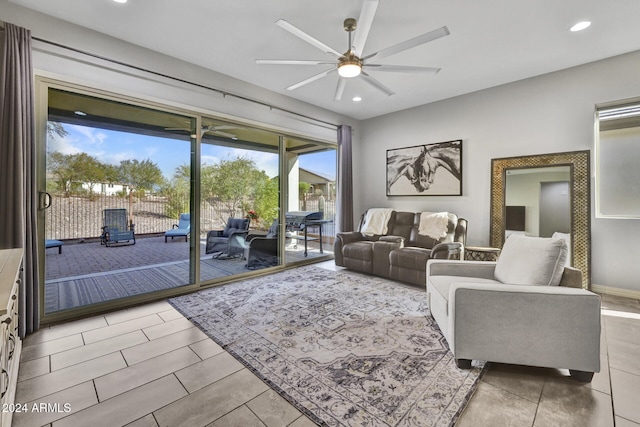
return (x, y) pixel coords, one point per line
(10, 343)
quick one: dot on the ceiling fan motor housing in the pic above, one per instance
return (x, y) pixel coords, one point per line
(350, 24)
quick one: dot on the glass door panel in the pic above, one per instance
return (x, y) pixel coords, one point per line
(239, 199)
(118, 177)
(311, 201)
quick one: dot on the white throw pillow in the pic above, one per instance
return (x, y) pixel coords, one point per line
(528, 260)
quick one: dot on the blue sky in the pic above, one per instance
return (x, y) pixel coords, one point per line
(112, 147)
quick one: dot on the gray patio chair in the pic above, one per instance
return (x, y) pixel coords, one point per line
(181, 229)
(262, 251)
(230, 241)
(115, 228)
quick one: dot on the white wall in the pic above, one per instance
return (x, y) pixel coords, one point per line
(546, 114)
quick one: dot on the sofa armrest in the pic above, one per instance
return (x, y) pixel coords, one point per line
(341, 240)
(446, 250)
(393, 239)
(571, 278)
(214, 233)
(349, 236)
(549, 326)
(446, 267)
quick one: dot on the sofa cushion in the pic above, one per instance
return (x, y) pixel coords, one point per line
(359, 250)
(414, 258)
(528, 260)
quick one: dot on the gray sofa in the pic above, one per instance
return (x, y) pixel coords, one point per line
(527, 308)
(401, 253)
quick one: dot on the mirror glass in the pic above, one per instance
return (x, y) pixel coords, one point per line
(538, 202)
(544, 195)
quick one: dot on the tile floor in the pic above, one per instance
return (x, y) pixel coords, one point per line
(148, 366)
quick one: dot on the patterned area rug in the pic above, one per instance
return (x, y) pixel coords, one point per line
(346, 350)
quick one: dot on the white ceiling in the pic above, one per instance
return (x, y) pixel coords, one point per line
(492, 42)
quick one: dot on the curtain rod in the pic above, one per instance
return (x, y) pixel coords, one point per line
(202, 86)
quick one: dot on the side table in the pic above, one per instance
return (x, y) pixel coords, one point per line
(481, 253)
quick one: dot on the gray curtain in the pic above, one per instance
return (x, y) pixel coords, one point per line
(344, 214)
(18, 192)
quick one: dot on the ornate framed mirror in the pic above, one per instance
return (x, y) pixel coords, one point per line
(576, 165)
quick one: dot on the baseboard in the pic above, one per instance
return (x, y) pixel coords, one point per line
(619, 292)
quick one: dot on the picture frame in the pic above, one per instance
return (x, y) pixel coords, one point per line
(425, 170)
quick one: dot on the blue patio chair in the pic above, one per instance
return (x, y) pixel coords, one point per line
(53, 243)
(181, 229)
(115, 228)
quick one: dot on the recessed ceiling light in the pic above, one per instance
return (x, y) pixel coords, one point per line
(581, 26)
(356, 99)
(120, 1)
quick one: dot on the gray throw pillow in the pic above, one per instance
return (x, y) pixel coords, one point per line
(528, 260)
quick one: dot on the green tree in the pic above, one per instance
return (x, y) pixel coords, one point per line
(303, 190)
(56, 128)
(90, 170)
(267, 201)
(177, 192)
(60, 166)
(236, 184)
(139, 176)
(79, 168)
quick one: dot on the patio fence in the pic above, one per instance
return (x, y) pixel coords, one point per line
(78, 218)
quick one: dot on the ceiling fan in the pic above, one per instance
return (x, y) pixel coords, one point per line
(210, 129)
(352, 63)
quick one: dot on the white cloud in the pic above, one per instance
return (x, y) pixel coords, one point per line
(63, 145)
(92, 135)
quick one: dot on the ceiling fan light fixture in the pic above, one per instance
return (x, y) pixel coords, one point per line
(350, 67)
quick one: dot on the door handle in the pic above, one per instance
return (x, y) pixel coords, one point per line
(45, 200)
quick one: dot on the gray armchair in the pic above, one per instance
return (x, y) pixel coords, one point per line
(527, 308)
(230, 241)
(261, 251)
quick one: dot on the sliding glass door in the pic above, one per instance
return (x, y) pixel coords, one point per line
(140, 201)
(115, 183)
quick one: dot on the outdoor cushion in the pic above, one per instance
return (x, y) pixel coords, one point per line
(235, 224)
(526, 260)
(228, 231)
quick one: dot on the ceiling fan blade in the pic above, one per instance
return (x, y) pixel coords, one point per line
(365, 21)
(292, 62)
(411, 43)
(224, 134)
(184, 129)
(311, 79)
(401, 68)
(306, 37)
(342, 82)
(376, 84)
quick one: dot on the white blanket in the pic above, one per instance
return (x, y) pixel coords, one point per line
(433, 224)
(376, 220)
